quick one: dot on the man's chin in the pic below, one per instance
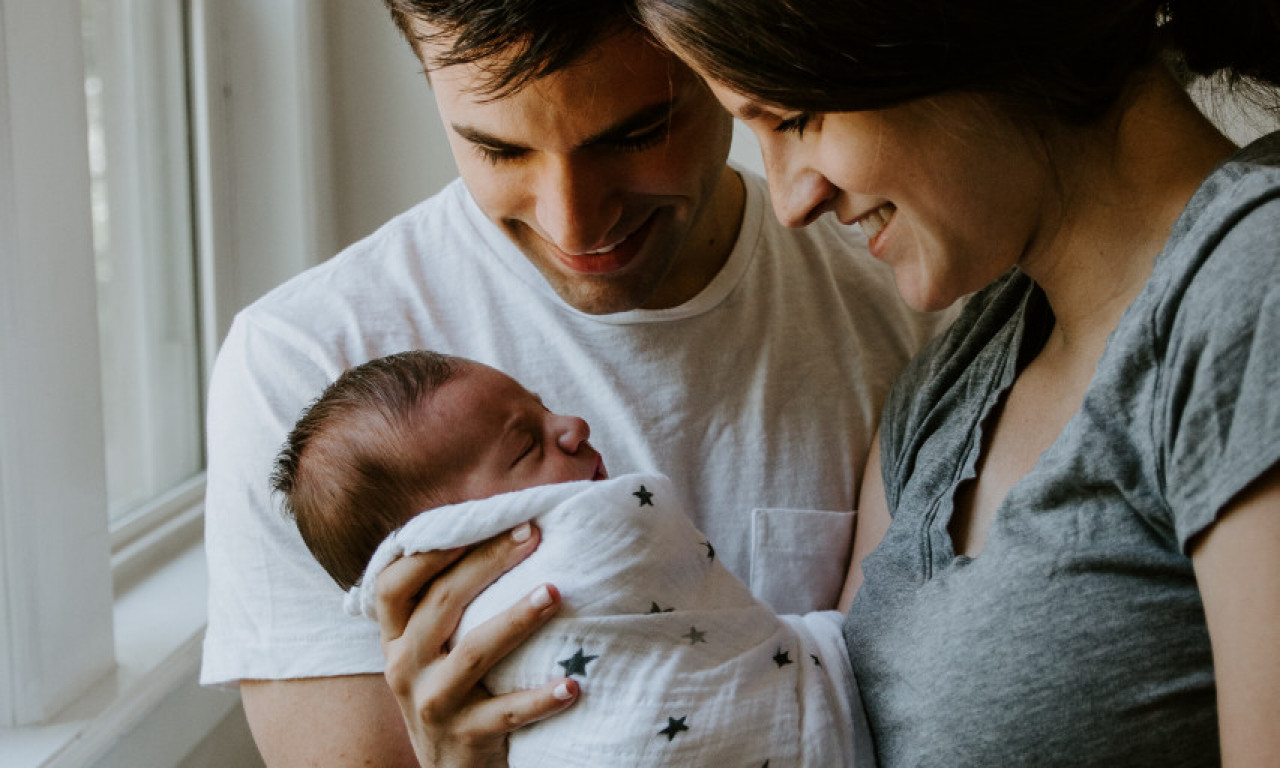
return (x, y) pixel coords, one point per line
(602, 301)
(605, 294)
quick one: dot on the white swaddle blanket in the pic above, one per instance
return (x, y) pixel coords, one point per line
(678, 664)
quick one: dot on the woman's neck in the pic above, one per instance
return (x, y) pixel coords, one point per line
(1124, 182)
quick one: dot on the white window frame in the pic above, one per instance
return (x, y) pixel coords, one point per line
(95, 647)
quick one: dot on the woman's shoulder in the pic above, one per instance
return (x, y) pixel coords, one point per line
(1246, 180)
(1224, 247)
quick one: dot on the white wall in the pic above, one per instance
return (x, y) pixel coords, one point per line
(1240, 118)
(389, 147)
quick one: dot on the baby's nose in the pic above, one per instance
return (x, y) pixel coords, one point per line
(573, 432)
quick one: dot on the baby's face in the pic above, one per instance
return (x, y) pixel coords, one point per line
(487, 435)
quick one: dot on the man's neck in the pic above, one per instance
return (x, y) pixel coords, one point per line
(706, 250)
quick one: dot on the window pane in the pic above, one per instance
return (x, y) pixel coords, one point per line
(135, 87)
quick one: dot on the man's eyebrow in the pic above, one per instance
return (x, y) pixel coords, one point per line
(750, 110)
(641, 118)
(477, 136)
(644, 117)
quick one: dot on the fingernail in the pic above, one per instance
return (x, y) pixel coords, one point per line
(541, 597)
(522, 533)
(562, 692)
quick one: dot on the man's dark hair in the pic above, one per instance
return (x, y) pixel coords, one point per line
(518, 41)
(344, 473)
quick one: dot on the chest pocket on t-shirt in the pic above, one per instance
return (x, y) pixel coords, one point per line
(799, 557)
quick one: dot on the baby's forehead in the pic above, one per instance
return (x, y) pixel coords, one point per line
(485, 381)
(476, 400)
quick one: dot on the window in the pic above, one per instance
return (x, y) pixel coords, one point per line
(140, 185)
(157, 172)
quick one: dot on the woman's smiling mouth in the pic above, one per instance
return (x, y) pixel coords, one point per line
(874, 222)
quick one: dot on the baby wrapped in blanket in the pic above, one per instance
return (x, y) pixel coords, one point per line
(677, 663)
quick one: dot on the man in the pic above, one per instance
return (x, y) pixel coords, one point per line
(598, 249)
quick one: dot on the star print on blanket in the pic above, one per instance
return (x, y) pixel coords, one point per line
(677, 662)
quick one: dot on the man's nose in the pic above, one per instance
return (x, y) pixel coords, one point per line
(575, 208)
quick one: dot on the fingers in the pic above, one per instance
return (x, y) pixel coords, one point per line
(445, 697)
(417, 625)
(437, 586)
(400, 585)
(490, 642)
(516, 710)
(420, 602)
(477, 734)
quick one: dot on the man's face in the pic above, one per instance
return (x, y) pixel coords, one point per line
(609, 175)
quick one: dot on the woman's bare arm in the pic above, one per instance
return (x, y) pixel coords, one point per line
(1237, 563)
(871, 524)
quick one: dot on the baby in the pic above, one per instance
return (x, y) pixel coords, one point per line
(678, 664)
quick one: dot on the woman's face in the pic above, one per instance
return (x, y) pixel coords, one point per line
(949, 195)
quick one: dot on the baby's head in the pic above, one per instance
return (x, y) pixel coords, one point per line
(409, 432)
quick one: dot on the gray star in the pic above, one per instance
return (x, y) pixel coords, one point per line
(694, 636)
(674, 726)
(577, 663)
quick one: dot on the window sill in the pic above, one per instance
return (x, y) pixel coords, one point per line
(150, 710)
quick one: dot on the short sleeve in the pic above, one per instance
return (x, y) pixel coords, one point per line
(1221, 390)
(273, 612)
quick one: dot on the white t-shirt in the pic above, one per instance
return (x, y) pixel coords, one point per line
(760, 395)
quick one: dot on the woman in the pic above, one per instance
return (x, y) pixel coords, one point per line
(1070, 537)
(1077, 530)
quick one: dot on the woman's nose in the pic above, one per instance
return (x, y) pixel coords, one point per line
(800, 198)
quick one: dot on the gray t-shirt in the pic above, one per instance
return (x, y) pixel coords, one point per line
(1077, 636)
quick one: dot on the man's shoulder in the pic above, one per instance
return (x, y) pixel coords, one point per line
(407, 257)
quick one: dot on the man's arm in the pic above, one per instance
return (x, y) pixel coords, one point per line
(1237, 563)
(327, 721)
(356, 720)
